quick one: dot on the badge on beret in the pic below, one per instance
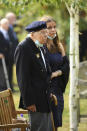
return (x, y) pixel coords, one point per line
(38, 55)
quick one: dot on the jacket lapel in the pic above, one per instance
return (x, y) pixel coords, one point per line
(37, 55)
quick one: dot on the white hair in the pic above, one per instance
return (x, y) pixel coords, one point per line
(3, 21)
(9, 15)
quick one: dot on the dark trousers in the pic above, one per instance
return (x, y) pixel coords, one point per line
(10, 72)
(40, 121)
(2, 79)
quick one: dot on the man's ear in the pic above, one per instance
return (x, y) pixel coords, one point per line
(32, 34)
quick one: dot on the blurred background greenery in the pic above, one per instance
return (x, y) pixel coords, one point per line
(26, 13)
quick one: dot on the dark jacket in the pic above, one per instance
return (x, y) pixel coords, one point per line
(65, 70)
(13, 43)
(4, 48)
(33, 79)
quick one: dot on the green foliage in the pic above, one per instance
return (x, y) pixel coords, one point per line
(17, 3)
(31, 10)
(34, 11)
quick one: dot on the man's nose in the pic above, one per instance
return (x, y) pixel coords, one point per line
(45, 35)
(47, 32)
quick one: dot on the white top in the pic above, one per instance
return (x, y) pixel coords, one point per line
(5, 33)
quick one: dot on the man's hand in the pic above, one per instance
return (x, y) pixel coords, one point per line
(1, 56)
(54, 98)
(32, 108)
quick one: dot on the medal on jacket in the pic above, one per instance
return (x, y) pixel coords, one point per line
(38, 55)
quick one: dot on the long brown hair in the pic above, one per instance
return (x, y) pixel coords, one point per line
(47, 19)
(53, 45)
(56, 39)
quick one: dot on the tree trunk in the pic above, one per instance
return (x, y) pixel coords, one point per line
(77, 60)
(77, 40)
(73, 70)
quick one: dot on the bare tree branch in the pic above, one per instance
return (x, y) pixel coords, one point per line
(68, 8)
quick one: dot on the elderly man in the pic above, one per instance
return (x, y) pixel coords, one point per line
(4, 50)
(33, 77)
(13, 43)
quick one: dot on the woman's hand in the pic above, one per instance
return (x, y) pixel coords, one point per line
(61, 49)
(32, 108)
(56, 74)
(1, 56)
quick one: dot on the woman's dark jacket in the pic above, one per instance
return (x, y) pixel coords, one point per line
(57, 62)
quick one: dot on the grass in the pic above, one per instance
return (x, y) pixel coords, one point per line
(65, 127)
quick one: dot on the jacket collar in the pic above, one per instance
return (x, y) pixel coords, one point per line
(37, 53)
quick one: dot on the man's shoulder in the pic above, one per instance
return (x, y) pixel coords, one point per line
(1, 33)
(23, 48)
(26, 44)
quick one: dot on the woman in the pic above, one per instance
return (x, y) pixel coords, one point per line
(58, 62)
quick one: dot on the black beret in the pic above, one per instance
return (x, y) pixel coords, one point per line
(36, 26)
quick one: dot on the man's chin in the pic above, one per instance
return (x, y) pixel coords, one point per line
(45, 43)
